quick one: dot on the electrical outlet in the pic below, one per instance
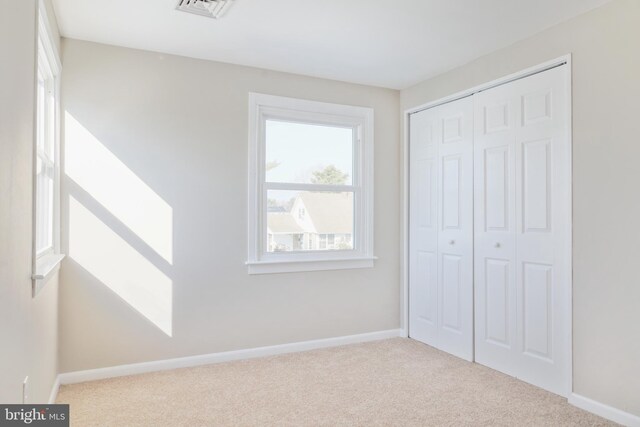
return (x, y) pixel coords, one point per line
(25, 390)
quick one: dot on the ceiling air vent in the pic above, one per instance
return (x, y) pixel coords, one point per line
(211, 8)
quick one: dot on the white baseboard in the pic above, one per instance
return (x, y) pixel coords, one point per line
(207, 359)
(54, 391)
(605, 411)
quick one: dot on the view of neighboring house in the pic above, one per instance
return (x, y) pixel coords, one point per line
(315, 221)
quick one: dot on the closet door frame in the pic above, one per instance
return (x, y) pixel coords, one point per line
(564, 61)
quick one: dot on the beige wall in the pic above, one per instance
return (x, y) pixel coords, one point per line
(28, 326)
(179, 126)
(606, 148)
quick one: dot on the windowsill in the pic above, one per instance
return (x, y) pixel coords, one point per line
(46, 267)
(294, 266)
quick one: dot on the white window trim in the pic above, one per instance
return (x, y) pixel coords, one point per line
(47, 263)
(259, 261)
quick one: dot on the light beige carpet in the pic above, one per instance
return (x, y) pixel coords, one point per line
(396, 382)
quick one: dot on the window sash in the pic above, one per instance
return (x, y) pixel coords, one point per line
(299, 117)
(353, 127)
(45, 156)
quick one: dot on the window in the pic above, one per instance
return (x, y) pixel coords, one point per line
(310, 180)
(45, 156)
(323, 241)
(46, 187)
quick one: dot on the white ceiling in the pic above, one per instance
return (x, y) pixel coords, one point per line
(389, 43)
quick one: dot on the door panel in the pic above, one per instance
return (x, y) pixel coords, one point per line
(423, 230)
(495, 117)
(451, 304)
(426, 175)
(536, 107)
(496, 187)
(497, 302)
(451, 192)
(535, 186)
(441, 224)
(426, 304)
(494, 231)
(536, 311)
(455, 235)
(522, 183)
(452, 129)
(543, 150)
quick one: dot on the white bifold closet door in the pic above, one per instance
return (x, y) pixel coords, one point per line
(521, 238)
(441, 227)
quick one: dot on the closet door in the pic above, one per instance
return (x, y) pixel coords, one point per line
(441, 227)
(423, 228)
(522, 187)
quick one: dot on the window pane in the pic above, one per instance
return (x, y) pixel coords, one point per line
(309, 221)
(50, 121)
(44, 205)
(305, 153)
(40, 131)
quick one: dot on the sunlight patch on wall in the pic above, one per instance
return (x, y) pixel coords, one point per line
(109, 181)
(121, 268)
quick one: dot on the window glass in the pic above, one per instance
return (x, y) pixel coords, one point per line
(308, 153)
(327, 223)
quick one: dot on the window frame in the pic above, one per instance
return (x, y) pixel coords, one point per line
(46, 261)
(269, 107)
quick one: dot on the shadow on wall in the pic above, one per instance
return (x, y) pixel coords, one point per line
(119, 230)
